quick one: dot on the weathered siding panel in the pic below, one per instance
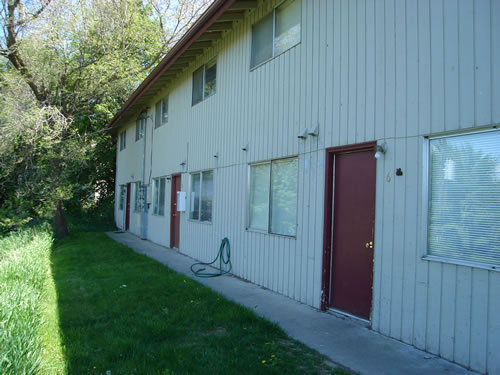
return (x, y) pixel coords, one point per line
(389, 71)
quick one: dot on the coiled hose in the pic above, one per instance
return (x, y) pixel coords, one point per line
(224, 258)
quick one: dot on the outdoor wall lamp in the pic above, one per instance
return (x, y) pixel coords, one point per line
(380, 150)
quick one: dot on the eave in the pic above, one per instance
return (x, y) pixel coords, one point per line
(216, 20)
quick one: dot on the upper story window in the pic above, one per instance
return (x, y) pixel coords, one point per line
(463, 194)
(140, 126)
(123, 140)
(202, 191)
(273, 197)
(204, 81)
(161, 112)
(276, 32)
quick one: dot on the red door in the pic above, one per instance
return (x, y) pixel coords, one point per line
(127, 208)
(174, 214)
(352, 231)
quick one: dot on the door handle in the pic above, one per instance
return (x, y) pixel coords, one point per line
(369, 245)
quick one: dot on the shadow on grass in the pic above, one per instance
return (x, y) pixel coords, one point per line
(125, 313)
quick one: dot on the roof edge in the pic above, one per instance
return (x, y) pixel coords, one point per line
(206, 19)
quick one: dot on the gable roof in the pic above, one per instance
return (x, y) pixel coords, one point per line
(218, 18)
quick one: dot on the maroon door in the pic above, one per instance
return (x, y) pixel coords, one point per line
(174, 214)
(353, 219)
(127, 209)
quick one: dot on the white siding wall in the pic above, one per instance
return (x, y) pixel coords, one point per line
(391, 71)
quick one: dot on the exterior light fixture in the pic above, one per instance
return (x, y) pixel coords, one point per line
(302, 134)
(380, 150)
(314, 131)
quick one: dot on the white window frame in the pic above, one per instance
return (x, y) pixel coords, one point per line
(121, 202)
(140, 126)
(248, 195)
(123, 140)
(156, 195)
(203, 96)
(160, 118)
(426, 201)
(138, 196)
(200, 173)
(274, 54)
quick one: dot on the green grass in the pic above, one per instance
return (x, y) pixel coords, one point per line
(122, 312)
(25, 286)
(88, 305)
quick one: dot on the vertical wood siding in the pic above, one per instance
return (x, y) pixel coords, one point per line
(386, 70)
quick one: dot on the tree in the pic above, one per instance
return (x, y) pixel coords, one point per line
(65, 67)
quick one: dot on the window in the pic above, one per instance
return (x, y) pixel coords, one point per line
(276, 32)
(204, 81)
(122, 197)
(464, 191)
(273, 197)
(161, 112)
(140, 126)
(202, 190)
(159, 196)
(139, 197)
(123, 140)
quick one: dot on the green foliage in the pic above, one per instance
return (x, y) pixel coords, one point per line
(24, 265)
(64, 76)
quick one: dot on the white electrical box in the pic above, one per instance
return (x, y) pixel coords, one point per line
(181, 201)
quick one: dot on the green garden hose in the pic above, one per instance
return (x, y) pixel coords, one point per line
(224, 258)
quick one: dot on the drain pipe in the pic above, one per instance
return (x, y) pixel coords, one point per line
(144, 213)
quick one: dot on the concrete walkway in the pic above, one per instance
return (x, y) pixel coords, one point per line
(345, 342)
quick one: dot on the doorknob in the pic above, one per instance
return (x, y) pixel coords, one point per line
(369, 245)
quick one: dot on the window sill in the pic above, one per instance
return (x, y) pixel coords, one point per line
(270, 234)
(457, 262)
(272, 58)
(200, 222)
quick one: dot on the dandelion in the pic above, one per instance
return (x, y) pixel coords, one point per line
(268, 343)
(263, 361)
(272, 356)
(245, 328)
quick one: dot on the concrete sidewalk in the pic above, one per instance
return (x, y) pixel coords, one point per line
(345, 342)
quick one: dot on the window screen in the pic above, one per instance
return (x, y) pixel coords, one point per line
(161, 198)
(284, 196)
(464, 204)
(276, 32)
(195, 196)
(259, 196)
(198, 86)
(202, 190)
(287, 26)
(210, 79)
(262, 40)
(207, 190)
(273, 197)
(164, 110)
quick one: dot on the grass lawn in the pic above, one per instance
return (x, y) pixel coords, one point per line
(122, 313)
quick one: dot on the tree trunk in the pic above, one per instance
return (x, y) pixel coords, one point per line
(60, 226)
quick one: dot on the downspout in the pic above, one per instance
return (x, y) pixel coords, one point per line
(144, 215)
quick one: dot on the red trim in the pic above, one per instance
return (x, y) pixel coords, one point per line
(327, 228)
(200, 26)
